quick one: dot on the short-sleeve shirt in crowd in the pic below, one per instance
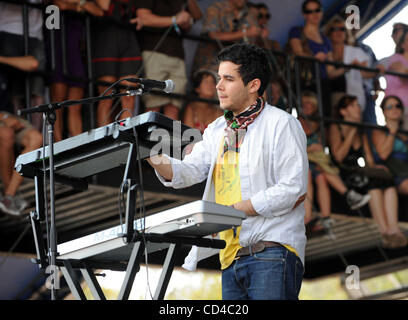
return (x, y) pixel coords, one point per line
(149, 36)
(397, 86)
(220, 18)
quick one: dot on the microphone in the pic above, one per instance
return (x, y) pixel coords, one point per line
(166, 86)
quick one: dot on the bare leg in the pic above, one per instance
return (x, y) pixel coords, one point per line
(7, 139)
(104, 108)
(127, 102)
(323, 195)
(336, 182)
(391, 209)
(36, 118)
(309, 199)
(171, 111)
(376, 205)
(403, 187)
(58, 92)
(394, 237)
(74, 112)
(31, 141)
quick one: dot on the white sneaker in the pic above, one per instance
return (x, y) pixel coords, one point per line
(13, 205)
(20, 203)
(356, 200)
(7, 205)
(327, 223)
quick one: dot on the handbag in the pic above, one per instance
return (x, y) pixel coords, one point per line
(323, 161)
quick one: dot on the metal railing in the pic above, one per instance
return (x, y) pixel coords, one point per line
(284, 71)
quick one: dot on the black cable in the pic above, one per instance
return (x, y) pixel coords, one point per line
(142, 212)
(14, 245)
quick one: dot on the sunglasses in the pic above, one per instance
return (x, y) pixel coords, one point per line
(390, 106)
(312, 11)
(261, 16)
(337, 29)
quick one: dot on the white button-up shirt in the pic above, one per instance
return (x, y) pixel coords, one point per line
(273, 168)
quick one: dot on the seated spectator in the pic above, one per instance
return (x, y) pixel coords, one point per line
(322, 171)
(350, 82)
(309, 41)
(277, 98)
(199, 114)
(69, 86)
(14, 130)
(391, 146)
(398, 86)
(166, 60)
(225, 20)
(348, 144)
(12, 45)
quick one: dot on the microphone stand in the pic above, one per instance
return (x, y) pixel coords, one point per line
(49, 111)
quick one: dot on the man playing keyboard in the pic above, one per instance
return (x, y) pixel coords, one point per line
(254, 159)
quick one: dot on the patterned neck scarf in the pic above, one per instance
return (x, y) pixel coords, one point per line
(239, 123)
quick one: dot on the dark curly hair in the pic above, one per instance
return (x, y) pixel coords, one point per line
(343, 103)
(252, 60)
(400, 105)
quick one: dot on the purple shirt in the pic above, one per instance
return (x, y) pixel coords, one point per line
(315, 47)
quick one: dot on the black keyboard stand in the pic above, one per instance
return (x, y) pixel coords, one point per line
(74, 159)
(87, 266)
(49, 116)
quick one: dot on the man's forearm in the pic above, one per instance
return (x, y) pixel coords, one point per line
(245, 206)
(162, 165)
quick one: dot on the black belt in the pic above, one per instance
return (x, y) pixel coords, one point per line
(255, 248)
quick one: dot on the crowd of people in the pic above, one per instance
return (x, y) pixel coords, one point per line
(145, 39)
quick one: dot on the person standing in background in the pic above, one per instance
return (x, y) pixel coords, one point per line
(166, 60)
(225, 20)
(69, 86)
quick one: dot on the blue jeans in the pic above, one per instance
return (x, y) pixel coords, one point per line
(273, 274)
